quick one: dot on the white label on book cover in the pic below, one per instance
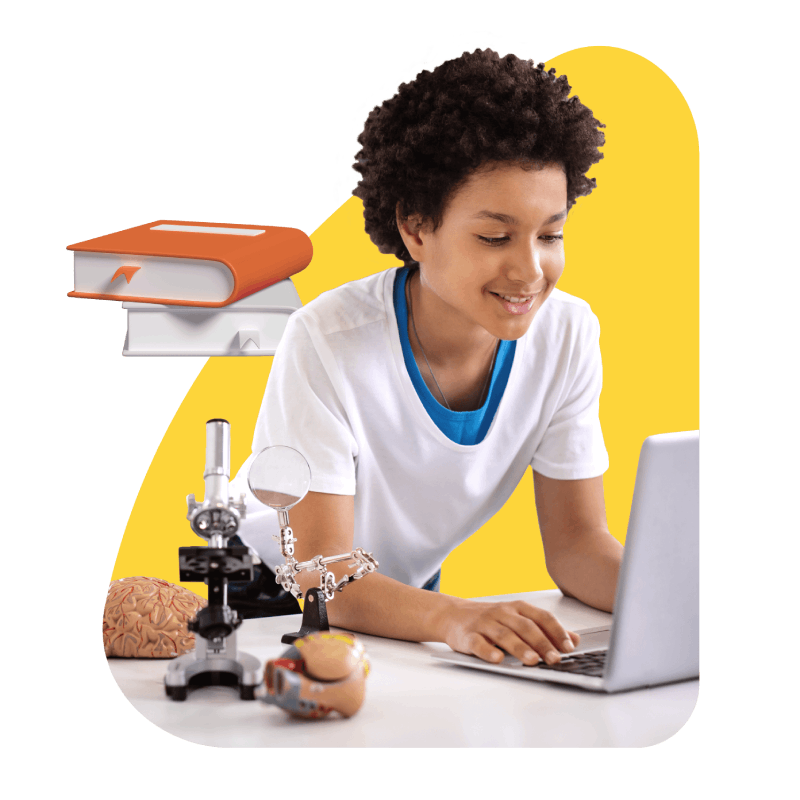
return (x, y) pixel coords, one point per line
(209, 229)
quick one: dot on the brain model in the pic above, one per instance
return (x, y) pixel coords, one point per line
(146, 618)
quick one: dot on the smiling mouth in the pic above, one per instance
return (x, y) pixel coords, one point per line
(516, 304)
(512, 299)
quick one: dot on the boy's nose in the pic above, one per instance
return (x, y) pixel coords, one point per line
(525, 266)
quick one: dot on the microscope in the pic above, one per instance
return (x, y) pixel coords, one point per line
(215, 660)
(279, 477)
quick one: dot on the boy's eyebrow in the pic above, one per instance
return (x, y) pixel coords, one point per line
(509, 220)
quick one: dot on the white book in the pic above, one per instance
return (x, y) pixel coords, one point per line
(252, 326)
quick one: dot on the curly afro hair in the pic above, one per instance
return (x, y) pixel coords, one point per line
(420, 146)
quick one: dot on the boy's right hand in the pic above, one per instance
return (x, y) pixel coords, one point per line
(522, 630)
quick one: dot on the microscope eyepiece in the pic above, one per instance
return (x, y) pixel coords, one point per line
(218, 448)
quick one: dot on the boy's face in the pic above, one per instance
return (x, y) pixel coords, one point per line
(499, 251)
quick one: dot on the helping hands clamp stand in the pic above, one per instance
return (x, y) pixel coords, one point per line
(315, 612)
(215, 660)
(280, 477)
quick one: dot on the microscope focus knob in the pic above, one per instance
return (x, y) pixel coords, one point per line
(215, 622)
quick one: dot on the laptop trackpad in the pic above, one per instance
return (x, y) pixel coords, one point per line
(593, 639)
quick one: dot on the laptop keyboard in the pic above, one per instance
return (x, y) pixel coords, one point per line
(580, 664)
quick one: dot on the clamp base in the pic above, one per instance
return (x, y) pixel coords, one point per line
(315, 616)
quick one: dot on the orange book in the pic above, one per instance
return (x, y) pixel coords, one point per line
(187, 263)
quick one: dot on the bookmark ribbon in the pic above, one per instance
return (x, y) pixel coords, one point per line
(126, 271)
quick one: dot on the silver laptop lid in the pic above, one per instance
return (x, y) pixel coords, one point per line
(655, 636)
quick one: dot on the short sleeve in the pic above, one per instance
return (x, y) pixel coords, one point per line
(572, 447)
(303, 409)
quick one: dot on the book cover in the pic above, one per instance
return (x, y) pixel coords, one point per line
(178, 263)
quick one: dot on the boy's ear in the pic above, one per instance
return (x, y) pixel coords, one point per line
(410, 229)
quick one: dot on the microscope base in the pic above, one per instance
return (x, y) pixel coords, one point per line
(207, 667)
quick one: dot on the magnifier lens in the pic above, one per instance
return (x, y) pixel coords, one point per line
(279, 477)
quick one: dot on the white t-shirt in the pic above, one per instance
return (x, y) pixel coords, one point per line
(339, 393)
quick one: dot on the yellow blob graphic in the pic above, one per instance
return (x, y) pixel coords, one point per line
(632, 251)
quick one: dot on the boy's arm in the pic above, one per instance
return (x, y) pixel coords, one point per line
(582, 557)
(381, 606)
(375, 604)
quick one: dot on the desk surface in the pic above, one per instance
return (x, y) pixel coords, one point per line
(415, 701)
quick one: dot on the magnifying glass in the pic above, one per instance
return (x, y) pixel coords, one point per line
(279, 477)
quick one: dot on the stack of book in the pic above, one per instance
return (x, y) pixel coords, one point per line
(193, 288)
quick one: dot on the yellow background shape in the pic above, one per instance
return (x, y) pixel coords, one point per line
(632, 253)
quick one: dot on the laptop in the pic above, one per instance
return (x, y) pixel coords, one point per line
(654, 637)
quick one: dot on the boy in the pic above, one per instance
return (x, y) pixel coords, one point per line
(420, 395)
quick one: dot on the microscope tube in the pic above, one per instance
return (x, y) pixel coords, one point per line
(218, 462)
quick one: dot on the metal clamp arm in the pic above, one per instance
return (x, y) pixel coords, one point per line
(285, 574)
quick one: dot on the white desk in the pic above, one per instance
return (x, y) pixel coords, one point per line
(414, 701)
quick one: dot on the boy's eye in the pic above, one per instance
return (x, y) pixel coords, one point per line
(496, 242)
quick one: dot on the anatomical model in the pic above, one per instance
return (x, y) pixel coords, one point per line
(319, 673)
(147, 618)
